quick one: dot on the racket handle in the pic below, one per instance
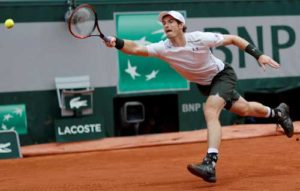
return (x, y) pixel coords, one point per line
(105, 38)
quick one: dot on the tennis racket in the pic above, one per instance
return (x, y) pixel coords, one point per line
(83, 23)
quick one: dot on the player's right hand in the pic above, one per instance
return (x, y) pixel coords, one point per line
(266, 60)
(111, 43)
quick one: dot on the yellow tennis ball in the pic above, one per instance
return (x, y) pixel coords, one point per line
(9, 23)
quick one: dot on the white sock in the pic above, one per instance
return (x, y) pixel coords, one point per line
(212, 150)
(269, 112)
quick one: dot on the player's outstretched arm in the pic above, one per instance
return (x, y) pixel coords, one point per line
(127, 46)
(250, 49)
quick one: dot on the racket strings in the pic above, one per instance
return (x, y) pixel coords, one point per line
(82, 23)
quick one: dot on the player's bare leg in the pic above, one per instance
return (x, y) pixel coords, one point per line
(206, 169)
(212, 110)
(255, 109)
(214, 105)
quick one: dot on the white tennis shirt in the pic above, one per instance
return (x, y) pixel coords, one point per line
(195, 60)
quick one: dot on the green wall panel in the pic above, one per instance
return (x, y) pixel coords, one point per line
(37, 11)
(42, 109)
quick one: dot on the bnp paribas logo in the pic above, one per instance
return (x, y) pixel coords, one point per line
(144, 74)
(13, 117)
(132, 70)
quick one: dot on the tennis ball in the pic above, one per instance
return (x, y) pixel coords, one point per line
(9, 23)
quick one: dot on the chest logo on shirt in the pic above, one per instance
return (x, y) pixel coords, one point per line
(195, 49)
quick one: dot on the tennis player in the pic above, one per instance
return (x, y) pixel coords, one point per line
(189, 54)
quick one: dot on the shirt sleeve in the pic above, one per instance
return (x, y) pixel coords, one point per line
(155, 49)
(212, 39)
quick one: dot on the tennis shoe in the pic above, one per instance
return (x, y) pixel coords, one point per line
(205, 170)
(284, 120)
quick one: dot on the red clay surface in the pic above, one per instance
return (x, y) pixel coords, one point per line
(262, 163)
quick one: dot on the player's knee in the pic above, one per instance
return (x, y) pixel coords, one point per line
(210, 111)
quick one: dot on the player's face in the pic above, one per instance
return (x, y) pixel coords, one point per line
(171, 27)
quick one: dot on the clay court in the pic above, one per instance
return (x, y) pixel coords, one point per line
(253, 157)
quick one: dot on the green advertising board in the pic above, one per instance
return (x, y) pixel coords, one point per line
(78, 128)
(140, 74)
(9, 144)
(13, 117)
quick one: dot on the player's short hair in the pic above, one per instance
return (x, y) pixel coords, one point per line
(184, 26)
(179, 22)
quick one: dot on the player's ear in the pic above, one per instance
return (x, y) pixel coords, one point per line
(181, 26)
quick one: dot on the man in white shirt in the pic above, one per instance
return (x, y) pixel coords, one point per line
(189, 54)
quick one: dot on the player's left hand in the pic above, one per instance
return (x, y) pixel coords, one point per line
(111, 41)
(264, 60)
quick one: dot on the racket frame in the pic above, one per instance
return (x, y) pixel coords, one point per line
(96, 25)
